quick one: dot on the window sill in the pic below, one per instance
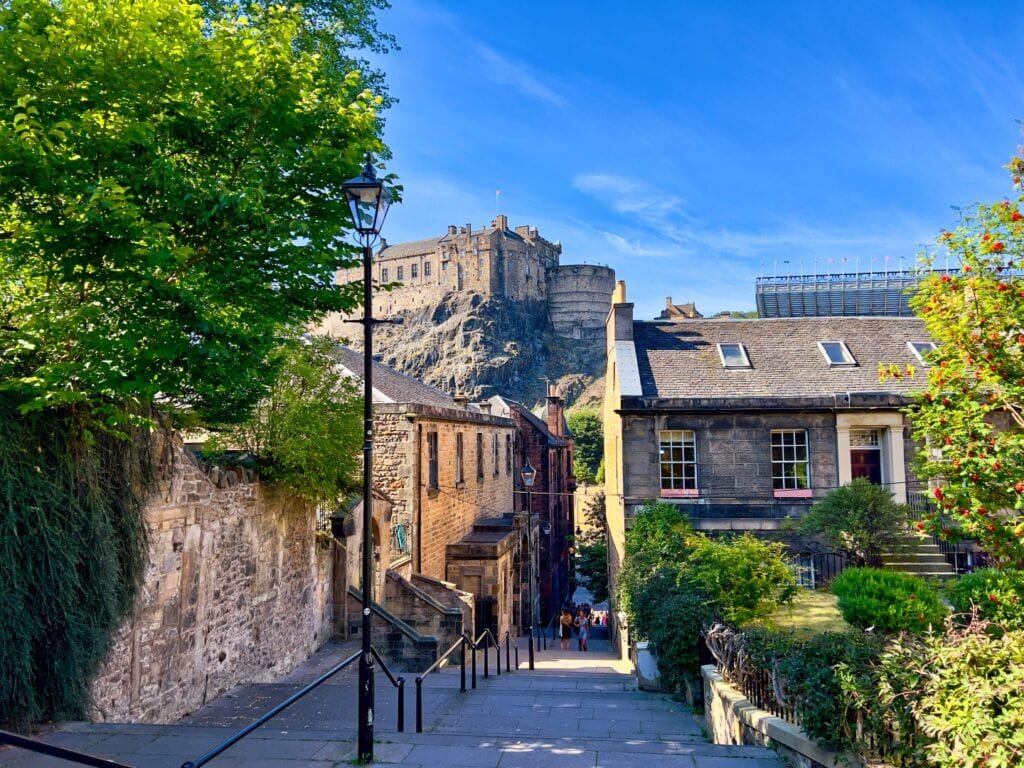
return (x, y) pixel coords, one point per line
(679, 493)
(793, 493)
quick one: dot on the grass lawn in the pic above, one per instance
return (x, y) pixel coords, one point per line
(810, 613)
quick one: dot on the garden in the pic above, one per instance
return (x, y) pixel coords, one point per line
(883, 665)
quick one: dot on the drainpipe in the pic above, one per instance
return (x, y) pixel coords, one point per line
(417, 476)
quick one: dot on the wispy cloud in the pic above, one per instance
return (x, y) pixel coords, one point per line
(625, 195)
(503, 70)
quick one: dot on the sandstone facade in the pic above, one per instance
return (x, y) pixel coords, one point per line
(237, 590)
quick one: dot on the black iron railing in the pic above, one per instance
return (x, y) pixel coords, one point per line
(469, 647)
(398, 682)
(71, 755)
(961, 556)
(815, 570)
(267, 716)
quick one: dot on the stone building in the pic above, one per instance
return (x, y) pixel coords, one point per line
(518, 264)
(546, 443)
(445, 469)
(743, 423)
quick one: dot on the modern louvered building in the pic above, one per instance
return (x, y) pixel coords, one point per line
(853, 294)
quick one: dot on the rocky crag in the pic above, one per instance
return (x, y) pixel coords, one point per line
(479, 346)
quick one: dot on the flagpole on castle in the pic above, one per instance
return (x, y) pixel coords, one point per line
(497, 207)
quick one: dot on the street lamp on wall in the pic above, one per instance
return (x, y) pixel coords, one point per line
(368, 201)
(529, 474)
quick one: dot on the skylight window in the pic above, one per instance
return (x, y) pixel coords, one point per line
(921, 348)
(837, 354)
(733, 356)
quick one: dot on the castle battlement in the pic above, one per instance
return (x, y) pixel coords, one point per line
(518, 264)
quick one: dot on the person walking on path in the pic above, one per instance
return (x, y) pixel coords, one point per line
(565, 624)
(582, 625)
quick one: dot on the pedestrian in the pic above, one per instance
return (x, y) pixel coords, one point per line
(582, 625)
(565, 626)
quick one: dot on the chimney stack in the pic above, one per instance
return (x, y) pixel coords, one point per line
(500, 222)
(554, 411)
(461, 400)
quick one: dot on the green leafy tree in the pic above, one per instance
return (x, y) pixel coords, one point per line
(170, 177)
(592, 567)
(971, 415)
(588, 443)
(306, 434)
(861, 517)
(171, 185)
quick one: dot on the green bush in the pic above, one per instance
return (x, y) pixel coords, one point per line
(744, 577)
(887, 600)
(674, 582)
(964, 691)
(671, 616)
(860, 517)
(998, 595)
(809, 673)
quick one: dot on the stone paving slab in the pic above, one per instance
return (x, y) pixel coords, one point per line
(579, 715)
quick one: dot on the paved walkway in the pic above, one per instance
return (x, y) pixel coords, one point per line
(575, 709)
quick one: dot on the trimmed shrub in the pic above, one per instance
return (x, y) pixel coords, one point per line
(888, 601)
(998, 595)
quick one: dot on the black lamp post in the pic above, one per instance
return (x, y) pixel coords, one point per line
(368, 200)
(529, 474)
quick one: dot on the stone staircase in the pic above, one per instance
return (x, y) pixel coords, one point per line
(918, 555)
(572, 717)
(576, 709)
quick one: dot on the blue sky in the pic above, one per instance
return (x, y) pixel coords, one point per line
(693, 146)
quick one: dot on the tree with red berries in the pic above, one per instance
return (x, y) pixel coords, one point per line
(971, 416)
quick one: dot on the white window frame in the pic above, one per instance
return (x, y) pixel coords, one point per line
(913, 347)
(848, 361)
(681, 485)
(784, 483)
(743, 354)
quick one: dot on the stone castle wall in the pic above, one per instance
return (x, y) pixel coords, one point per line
(516, 264)
(578, 296)
(237, 590)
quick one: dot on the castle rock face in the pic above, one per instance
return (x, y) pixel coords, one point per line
(488, 311)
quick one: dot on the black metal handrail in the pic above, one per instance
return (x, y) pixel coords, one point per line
(275, 711)
(34, 745)
(466, 642)
(398, 682)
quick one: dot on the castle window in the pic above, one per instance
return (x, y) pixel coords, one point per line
(480, 456)
(414, 271)
(384, 274)
(426, 269)
(401, 273)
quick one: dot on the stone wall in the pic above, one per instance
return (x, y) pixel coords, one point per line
(734, 467)
(578, 296)
(731, 719)
(237, 590)
(418, 608)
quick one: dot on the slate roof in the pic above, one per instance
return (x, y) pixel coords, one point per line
(681, 360)
(397, 386)
(428, 246)
(412, 248)
(538, 423)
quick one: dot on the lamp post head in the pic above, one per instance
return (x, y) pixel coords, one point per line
(368, 200)
(529, 474)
